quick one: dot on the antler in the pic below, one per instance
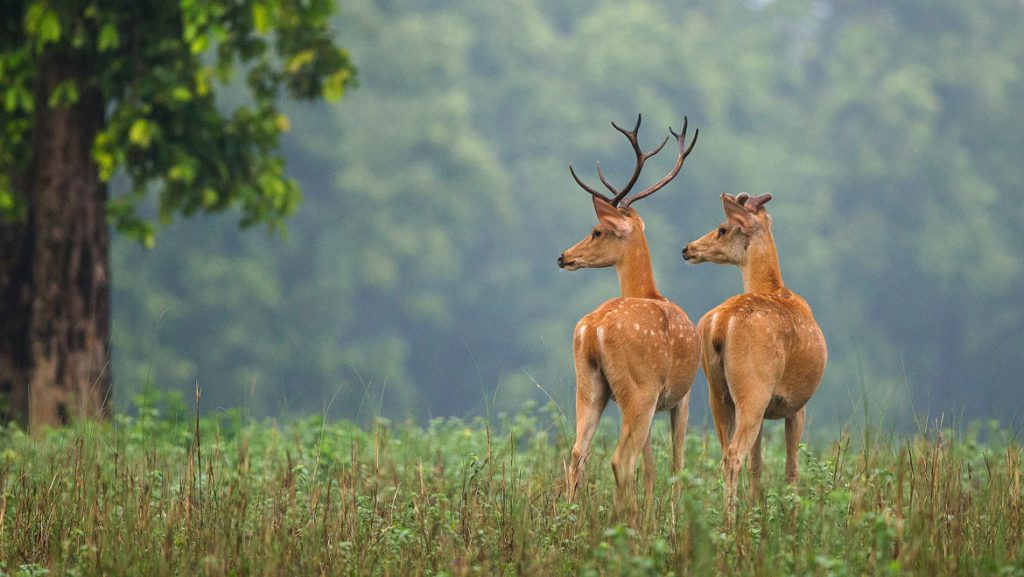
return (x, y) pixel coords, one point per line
(641, 158)
(587, 188)
(683, 153)
(753, 203)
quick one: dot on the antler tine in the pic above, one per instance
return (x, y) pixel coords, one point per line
(684, 151)
(630, 133)
(641, 158)
(587, 188)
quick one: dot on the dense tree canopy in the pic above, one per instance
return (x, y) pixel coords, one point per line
(157, 65)
(419, 277)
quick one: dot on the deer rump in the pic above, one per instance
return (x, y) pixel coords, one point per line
(631, 344)
(765, 340)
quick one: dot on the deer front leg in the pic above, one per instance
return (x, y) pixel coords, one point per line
(794, 430)
(591, 399)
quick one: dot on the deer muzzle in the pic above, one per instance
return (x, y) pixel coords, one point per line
(690, 255)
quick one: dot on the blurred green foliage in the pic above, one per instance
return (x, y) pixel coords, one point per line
(419, 275)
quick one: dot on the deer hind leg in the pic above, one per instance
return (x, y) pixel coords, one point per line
(649, 473)
(678, 416)
(755, 465)
(636, 429)
(723, 411)
(591, 399)
(794, 430)
(722, 408)
(748, 428)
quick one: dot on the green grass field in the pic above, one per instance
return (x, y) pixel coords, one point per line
(140, 496)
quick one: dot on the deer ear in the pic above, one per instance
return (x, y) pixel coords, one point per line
(611, 218)
(736, 213)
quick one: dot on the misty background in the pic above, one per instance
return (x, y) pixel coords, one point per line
(418, 278)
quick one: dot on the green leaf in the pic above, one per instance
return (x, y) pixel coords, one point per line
(140, 133)
(106, 162)
(42, 23)
(65, 94)
(334, 85)
(25, 99)
(6, 198)
(181, 94)
(109, 38)
(299, 60)
(259, 17)
(203, 77)
(10, 100)
(182, 172)
(18, 96)
(198, 46)
(210, 198)
(284, 124)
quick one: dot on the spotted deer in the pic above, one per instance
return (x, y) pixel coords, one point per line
(639, 349)
(763, 353)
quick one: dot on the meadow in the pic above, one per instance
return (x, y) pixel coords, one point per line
(164, 492)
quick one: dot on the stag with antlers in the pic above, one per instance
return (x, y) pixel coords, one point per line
(639, 349)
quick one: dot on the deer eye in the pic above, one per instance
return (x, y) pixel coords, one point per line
(596, 234)
(721, 231)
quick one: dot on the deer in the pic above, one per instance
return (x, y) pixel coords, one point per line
(763, 353)
(639, 349)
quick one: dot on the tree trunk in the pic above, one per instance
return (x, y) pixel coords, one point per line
(55, 279)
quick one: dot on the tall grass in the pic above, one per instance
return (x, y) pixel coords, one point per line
(140, 496)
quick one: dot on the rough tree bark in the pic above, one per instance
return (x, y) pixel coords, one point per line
(54, 271)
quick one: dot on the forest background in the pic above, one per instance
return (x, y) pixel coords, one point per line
(418, 278)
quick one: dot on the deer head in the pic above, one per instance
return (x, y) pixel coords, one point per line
(745, 223)
(619, 226)
(607, 242)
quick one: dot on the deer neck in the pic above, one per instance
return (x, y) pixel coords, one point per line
(760, 269)
(636, 279)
